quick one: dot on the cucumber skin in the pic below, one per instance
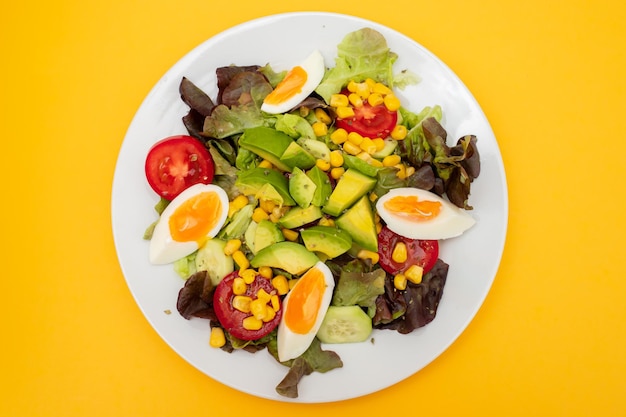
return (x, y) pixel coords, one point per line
(353, 318)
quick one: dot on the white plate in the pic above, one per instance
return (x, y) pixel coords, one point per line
(283, 40)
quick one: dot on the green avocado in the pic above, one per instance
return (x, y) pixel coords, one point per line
(295, 156)
(359, 222)
(315, 147)
(301, 187)
(298, 216)
(328, 240)
(257, 180)
(350, 187)
(289, 256)
(322, 186)
(268, 143)
(390, 146)
(351, 161)
(266, 234)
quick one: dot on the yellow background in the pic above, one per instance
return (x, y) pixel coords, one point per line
(549, 339)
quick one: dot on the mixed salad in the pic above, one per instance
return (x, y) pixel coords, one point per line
(305, 208)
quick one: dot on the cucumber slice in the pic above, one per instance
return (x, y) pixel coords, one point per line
(345, 324)
(211, 258)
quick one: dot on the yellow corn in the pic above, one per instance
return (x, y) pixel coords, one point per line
(322, 164)
(379, 143)
(239, 286)
(355, 100)
(399, 282)
(275, 302)
(368, 158)
(368, 145)
(267, 205)
(381, 89)
(339, 100)
(266, 164)
(240, 259)
(258, 308)
(355, 138)
(351, 148)
(399, 132)
(352, 86)
(363, 90)
(248, 275)
(322, 116)
(373, 197)
(399, 253)
(336, 158)
(237, 204)
(392, 103)
(391, 160)
(370, 83)
(232, 246)
(410, 171)
(336, 173)
(217, 338)
(401, 171)
(379, 227)
(326, 221)
(293, 282)
(320, 129)
(344, 112)
(242, 303)
(414, 274)
(259, 214)
(375, 99)
(270, 313)
(339, 136)
(266, 272)
(252, 323)
(263, 295)
(280, 283)
(368, 254)
(290, 235)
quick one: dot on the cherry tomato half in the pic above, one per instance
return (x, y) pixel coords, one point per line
(419, 252)
(230, 318)
(177, 162)
(370, 121)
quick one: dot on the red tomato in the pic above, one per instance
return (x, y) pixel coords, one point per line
(419, 252)
(370, 121)
(230, 318)
(177, 162)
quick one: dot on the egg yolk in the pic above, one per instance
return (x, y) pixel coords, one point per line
(195, 218)
(412, 207)
(304, 303)
(290, 85)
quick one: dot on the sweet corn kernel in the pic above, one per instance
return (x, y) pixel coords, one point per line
(352, 86)
(267, 205)
(399, 132)
(263, 295)
(410, 171)
(275, 302)
(217, 339)
(237, 204)
(326, 221)
(290, 235)
(339, 136)
(399, 282)
(401, 171)
(322, 116)
(370, 83)
(368, 145)
(379, 143)
(240, 259)
(379, 227)
(363, 90)
(392, 103)
(242, 303)
(248, 275)
(252, 323)
(266, 164)
(344, 112)
(336, 158)
(320, 129)
(232, 246)
(373, 197)
(266, 272)
(391, 160)
(293, 282)
(322, 164)
(258, 308)
(355, 138)
(280, 283)
(414, 274)
(259, 214)
(381, 89)
(399, 253)
(339, 100)
(351, 148)
(336, 173)
(270, 313)
(368, 254)
(375, 99)
(239, 286)
(355, 100)
(274, 218)
(304, 111)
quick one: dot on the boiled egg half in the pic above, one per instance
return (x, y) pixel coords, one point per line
(193, 217)
(304, 308)
(419, 214)
(299, 82)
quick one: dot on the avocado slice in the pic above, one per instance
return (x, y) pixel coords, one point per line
(298, 216)
(296, 156)
(301, 187)
(360, 165)
(329, 240)
(289, 256)
(256, 180)
(315, 147)
(268, 143)
(266, 234)
(322, 186)
(359, 222)
(350, 187)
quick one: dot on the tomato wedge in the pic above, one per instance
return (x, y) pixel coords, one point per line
(177, 162)
(419, 252)
(230, 318)
(370, 121)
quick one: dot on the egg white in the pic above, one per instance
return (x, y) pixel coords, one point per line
(290, 344)
(314, 67)
(163, 248)
(452, 221)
